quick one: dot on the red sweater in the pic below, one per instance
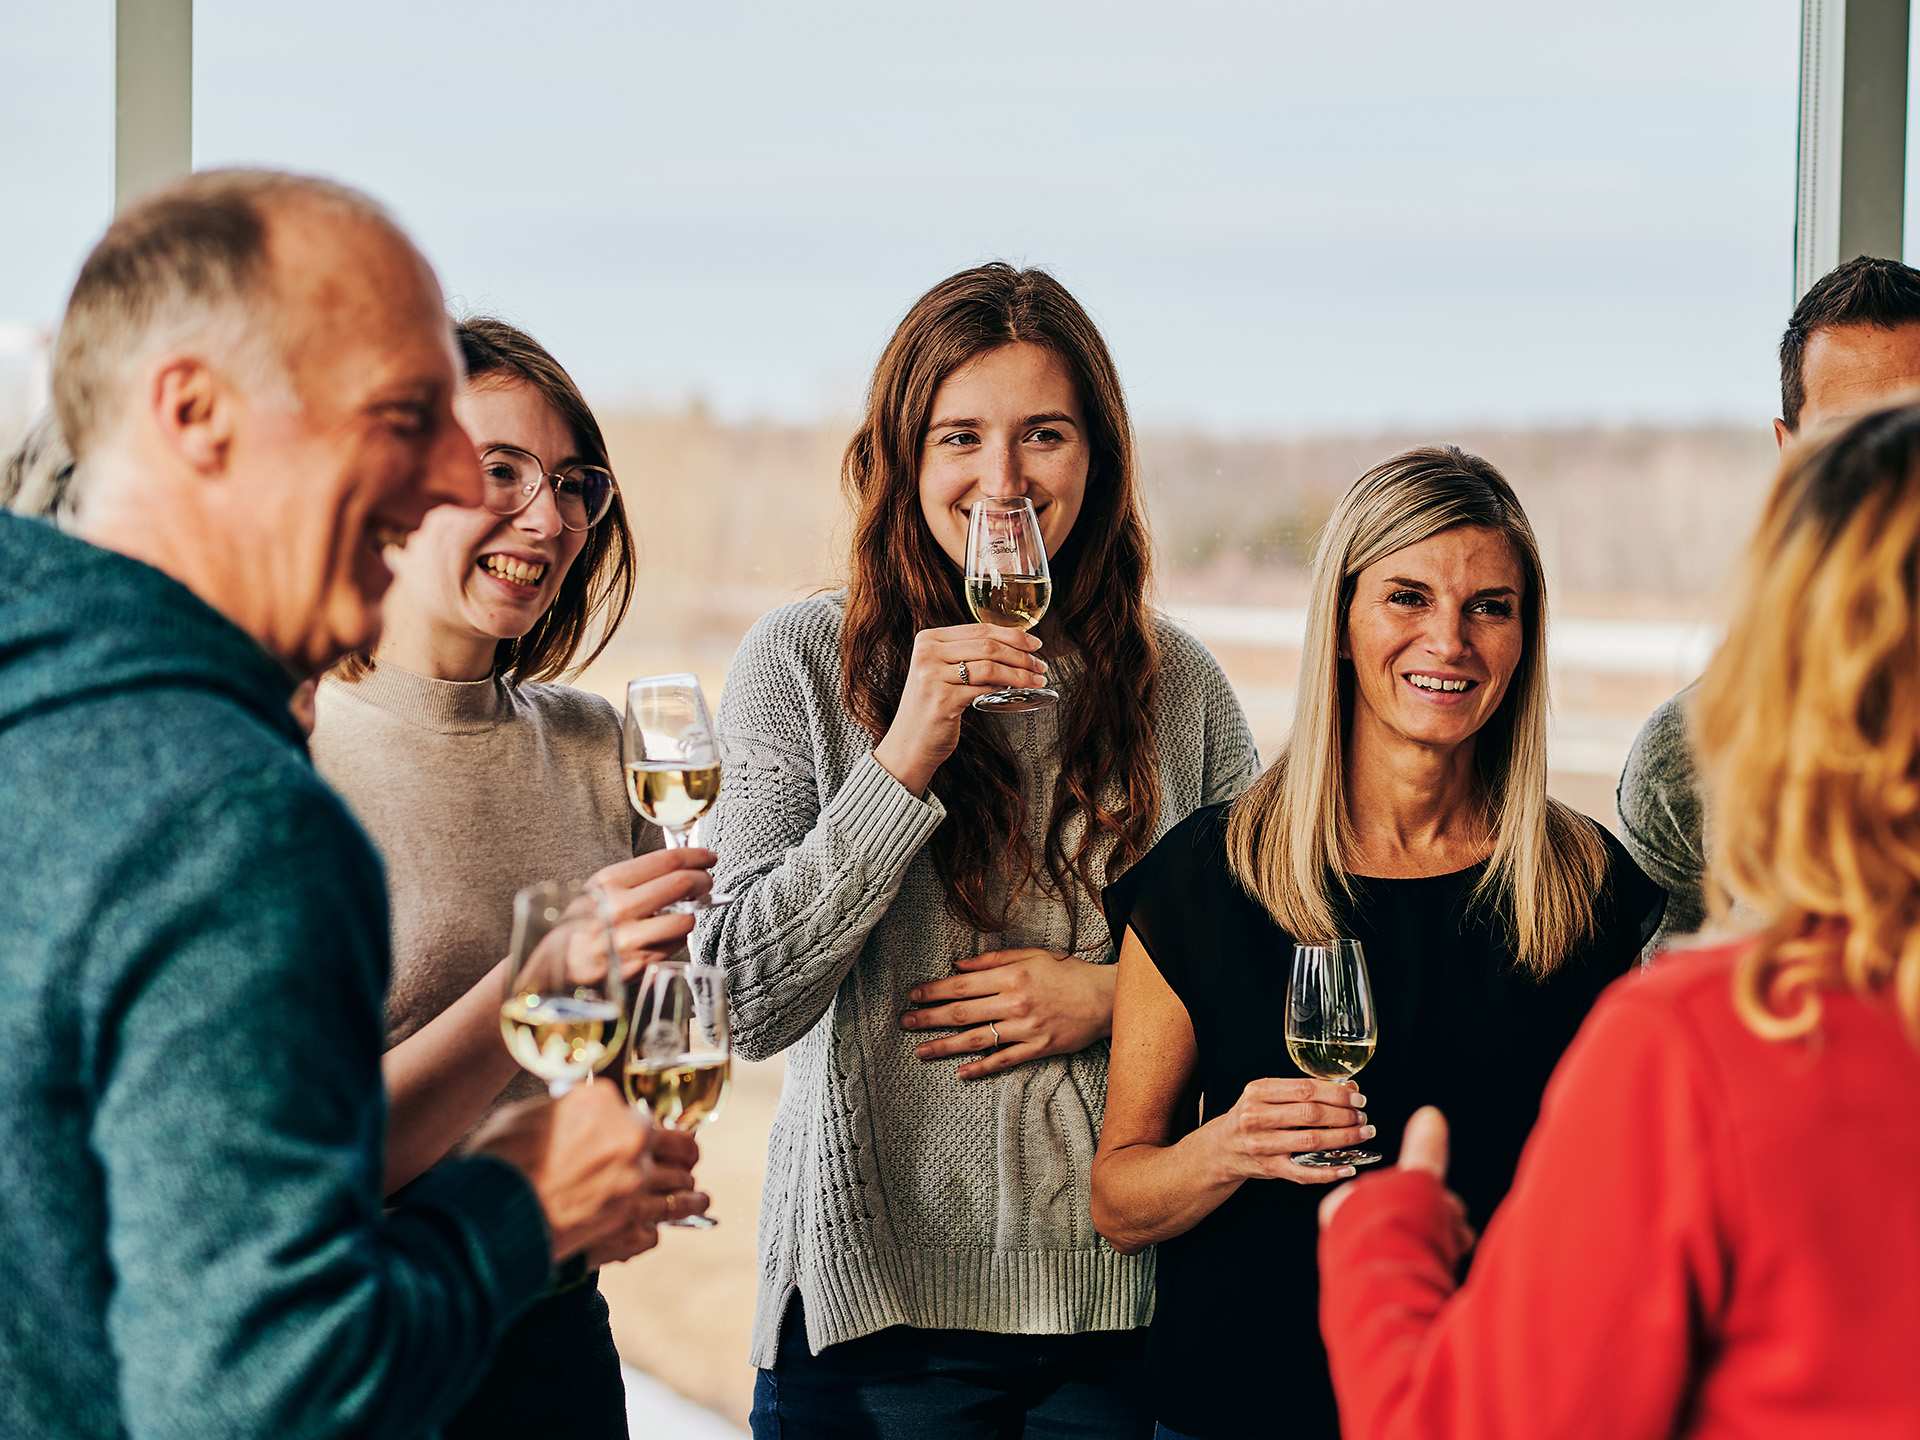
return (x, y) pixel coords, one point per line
(1709, 1235)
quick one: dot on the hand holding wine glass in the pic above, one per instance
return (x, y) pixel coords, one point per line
(1331, 1029)
(640, 894)
(564, 1015)
(1008, 585)
(951, 667)
(590, 1166)
(681, 1056)
(671, 755)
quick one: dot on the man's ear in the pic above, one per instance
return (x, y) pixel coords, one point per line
(193, 410)
(1781, 434)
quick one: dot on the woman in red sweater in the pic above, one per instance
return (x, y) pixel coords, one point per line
(1715, 1227)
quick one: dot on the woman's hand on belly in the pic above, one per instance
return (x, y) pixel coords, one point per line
(1275, 1120)
(1011, 1006)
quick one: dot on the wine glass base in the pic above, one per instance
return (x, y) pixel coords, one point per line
(1017, 702)
(1336, 1159)
(692, 1222)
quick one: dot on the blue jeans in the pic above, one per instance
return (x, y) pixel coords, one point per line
(907, 1384)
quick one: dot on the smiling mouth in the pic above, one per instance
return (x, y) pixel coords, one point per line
(523, 573)
(1438, 685)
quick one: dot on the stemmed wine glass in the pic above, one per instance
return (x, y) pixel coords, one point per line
(680, 1060)
(672, 760)
(564, 1015)
(1008, 584)
(1331, 1029)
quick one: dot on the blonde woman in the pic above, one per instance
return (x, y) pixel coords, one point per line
(1408, 810)
(1727, 1167)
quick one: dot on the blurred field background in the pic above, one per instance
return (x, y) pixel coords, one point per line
(1637, 525)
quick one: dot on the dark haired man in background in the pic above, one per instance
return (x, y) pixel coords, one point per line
(1852, 343)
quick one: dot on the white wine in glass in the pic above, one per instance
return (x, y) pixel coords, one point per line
(1331, 1030)
(1008, 584)
(564, 1015)
(681, 1058)
(672, 761)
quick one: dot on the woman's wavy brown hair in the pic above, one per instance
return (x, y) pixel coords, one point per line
(901, 582)
(594, 597)
(1808, 730)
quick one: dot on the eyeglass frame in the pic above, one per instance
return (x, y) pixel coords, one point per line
(552, 479)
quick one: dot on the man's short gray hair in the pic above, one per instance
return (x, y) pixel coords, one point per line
(184, 265)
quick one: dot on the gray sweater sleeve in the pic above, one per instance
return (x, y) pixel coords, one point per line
(1662, 820)
(810, 872)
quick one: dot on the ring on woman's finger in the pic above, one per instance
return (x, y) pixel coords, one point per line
(673, 1201)
(994, 1026)
(962, 667)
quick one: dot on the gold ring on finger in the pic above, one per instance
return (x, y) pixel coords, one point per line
(994, 1027)
(962, 666)
(673, 1201)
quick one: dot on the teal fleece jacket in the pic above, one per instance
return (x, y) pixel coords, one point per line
(193, 957)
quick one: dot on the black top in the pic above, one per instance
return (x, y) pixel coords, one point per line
(1235, 1344)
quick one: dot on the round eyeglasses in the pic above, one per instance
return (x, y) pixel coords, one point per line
(510, 478)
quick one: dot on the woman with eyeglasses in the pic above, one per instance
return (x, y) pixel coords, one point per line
(476, 775)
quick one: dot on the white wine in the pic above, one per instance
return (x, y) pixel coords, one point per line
(1329, 1059)
(671, 794)
(558, 1037)
(683, 1093)
(1015, 600)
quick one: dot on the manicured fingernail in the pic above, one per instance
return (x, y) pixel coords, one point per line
(920, 1052)
(909, 1020)
(1367, 1132)
(1346, 1170)
(1363, 1117)
(914, 995)
(1359, 1101)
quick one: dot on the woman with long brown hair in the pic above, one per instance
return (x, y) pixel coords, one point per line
(905, 866)
(1715, 1231)
(477, 774)
(1408, 811)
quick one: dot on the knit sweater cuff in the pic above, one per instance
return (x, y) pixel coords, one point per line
(880, 818)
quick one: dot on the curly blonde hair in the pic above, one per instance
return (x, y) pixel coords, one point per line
(1808, 728)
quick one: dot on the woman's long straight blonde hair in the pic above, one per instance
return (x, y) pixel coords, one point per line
(1289, 838)
(1807, 726)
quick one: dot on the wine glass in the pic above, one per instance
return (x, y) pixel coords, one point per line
(1331, 1030)
(680, 1059)
(1008, 584)
(672, 760)
(565, 1010)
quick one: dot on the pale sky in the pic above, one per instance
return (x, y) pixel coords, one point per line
(1290, 216)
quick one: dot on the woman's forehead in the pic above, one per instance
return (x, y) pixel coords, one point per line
(1466, 557)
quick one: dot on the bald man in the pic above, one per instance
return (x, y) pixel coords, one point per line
(255, 376)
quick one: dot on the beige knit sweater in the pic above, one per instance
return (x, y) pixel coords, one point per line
(896, 1193)
(471, 790)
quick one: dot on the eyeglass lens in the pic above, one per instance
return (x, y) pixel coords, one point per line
(582, 493)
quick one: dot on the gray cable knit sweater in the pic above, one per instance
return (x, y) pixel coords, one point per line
(897, 1194)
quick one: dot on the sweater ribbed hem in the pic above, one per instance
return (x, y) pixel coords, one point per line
(851, 1293)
